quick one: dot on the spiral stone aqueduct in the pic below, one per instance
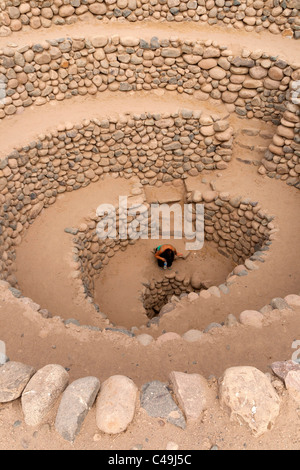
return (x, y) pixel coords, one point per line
(162, 101)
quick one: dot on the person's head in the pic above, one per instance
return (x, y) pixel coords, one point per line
(169, 256)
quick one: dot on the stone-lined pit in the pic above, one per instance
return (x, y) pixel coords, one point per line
(155, 148)
(237, 228)
(151, 147)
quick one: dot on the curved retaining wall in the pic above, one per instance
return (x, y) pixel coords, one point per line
(254, 86)
(257, 86)
(274, 16)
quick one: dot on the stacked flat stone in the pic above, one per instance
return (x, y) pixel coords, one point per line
(252, 85)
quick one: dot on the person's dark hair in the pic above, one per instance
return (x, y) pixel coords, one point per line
(169, 256)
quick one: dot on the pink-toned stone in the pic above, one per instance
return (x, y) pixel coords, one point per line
(238, 269)
(116, 404)
(292, 380)
(271, 84)
(275, 73)
(209, 196)
(207, 64)
(171, 336)
(229, 97)
(205, 294)
(192, 296)
(224, 136)
(293, 300)
(217, 73)
(251, 318)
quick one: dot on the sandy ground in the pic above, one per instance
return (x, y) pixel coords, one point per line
(38, 342)
(235, 40)
(43, 262)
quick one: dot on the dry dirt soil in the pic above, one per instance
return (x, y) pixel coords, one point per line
(44, 263)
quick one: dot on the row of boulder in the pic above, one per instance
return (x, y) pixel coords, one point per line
(246, 392)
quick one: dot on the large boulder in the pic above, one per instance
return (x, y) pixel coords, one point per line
(76, 401)
(250, 398)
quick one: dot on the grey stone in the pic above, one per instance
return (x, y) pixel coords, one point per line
(266, 309)
(167, 308)
(211, 326)
(73, 321)
(279, 304)
(16, 293)
(124, 86)
(243, 62)
(14, 377)
(121, 330)
(250, 265)
(3, 163)
(223, 288)
(76, 401)
(3, 358)
(145, 339)
(169, 52)
(244, 272)
(158, 403)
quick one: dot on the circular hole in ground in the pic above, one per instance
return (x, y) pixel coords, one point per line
(130, 287)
